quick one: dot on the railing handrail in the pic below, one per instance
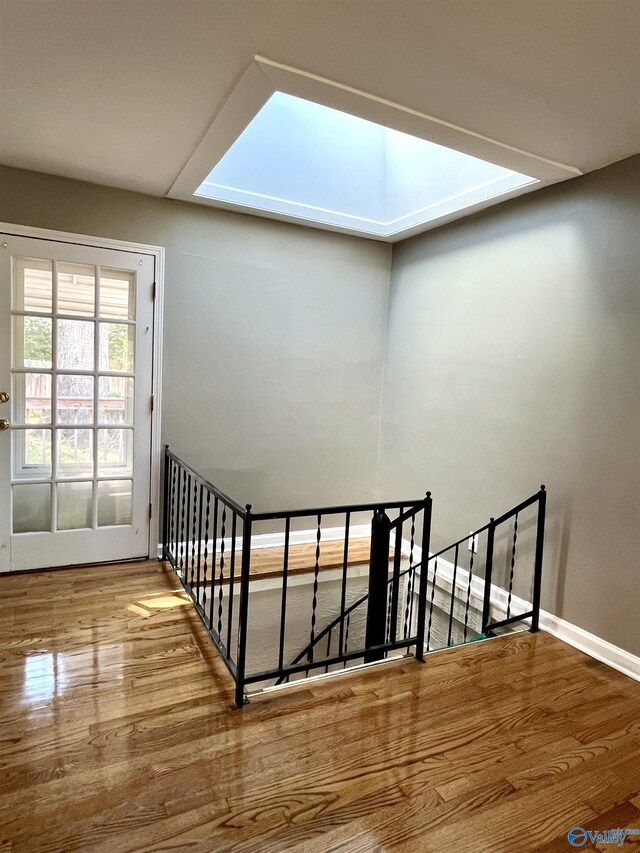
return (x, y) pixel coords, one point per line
(336, 510)
(493, 521)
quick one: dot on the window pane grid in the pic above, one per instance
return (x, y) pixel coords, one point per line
(73, 394)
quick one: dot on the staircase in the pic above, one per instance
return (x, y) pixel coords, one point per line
(351, 587)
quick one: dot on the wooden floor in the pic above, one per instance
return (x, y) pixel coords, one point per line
(118, 733)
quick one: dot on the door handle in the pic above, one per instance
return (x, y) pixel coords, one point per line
(4, 424)
(4, 397)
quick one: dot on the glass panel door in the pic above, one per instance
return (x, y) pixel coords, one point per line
(79, 346)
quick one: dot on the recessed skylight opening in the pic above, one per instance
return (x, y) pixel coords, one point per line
(302, 160)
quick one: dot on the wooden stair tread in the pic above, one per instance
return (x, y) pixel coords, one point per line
(268, 562)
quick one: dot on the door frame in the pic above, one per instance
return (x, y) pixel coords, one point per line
(158, 253)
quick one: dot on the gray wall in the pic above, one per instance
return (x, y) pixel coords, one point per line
(514, 359)
(274, 337)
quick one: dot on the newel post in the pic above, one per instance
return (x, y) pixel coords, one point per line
(243, 618)
(537, 577)
(424, 576)
(378, 578)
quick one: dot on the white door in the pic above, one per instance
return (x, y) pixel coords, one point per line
(76, 349)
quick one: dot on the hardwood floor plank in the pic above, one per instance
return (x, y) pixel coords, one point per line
(118, 734)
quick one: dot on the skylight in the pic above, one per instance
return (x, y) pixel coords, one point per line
(305, 161)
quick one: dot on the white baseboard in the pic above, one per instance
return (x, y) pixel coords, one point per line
(276, 540)
(580, 639)
(595, 647)
(590, 644)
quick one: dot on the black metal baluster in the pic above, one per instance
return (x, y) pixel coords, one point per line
(283, 604)
(513, 563)
(222, 549)
(174, 532)
(182, 510)
(206, 556)
(410, 578)
(177, 512)
(314, 603)
(200, 494)
(172, 516)
(389, 606)
(453, 595)
(194, 521)
(433, 592)
(345, 565)
(232, 575)
(466, 611)
(214, 559)
(187, 531)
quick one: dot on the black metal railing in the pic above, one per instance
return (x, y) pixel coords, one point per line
(466, 589)
(211, 543)
(207, 539)
(475, 583)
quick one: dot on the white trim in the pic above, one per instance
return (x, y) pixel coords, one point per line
(80, 239)
(308, 537)
(293, 204)
(157, 450)
(595, 647)
(264, 77)
(296, 537)
(158, 254)
(247, 200)
(592, 645)
(393, 236)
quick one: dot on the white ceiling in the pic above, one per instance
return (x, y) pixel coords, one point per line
(120, 92)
